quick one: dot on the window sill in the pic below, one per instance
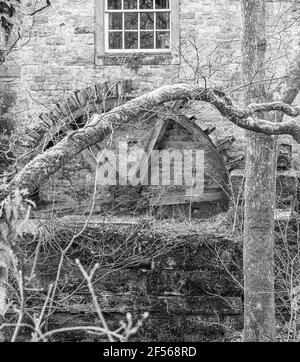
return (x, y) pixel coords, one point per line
(137, 59)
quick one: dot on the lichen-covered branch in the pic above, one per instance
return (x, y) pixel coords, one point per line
(44, 165)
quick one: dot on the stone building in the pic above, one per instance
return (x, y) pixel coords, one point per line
(78, 57)
(74, 45)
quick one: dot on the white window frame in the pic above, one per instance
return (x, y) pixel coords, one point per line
(138, 10)
(101, 36)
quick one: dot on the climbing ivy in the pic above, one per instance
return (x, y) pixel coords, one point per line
(12, 22)
(7, 10)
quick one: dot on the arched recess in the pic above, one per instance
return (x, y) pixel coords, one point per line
(215, 169)
(72, 112)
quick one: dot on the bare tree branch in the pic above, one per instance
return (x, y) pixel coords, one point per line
(48, 4)
(40, 168)
(288, 89)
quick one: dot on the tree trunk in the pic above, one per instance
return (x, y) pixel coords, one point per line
(260, 189)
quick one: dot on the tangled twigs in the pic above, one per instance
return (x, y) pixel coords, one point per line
(126, 330)
(14, 215)
(89, 278)
(49, 162)
(121, 334)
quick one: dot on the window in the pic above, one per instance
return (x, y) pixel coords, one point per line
(137, 26)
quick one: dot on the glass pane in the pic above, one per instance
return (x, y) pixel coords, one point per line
(115, 21)
(162, 4)
(131, 40)
(162, 20)
(163, 40)
(146, 4)
(147, 20)
(131, 21)
(115, 40)
(130, 4)
(114, 4)
(147, 40)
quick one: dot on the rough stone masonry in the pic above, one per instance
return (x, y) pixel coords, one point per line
(56, 56)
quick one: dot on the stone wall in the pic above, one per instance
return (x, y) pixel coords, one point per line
(188, 292)
(58, 52)
(187, 276)
(176, 274)
(59, 55)
(9, 76)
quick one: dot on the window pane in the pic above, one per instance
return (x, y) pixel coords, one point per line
(115, 40)
(163, 40)
(146, 4)
(147, 39)
(130, 4)
(114, 4)
(162, 20)
(147, 21)
(162, 4)
(131, 21)
(115, 21)
(131, 40)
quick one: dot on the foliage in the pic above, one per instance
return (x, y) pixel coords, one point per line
(14, 15)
